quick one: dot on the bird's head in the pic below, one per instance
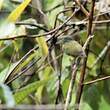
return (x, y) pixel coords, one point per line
(71, 47)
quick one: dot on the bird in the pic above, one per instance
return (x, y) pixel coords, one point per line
(72, 47)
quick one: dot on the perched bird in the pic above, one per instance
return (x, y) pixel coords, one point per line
(72, 47)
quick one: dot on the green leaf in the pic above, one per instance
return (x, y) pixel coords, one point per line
(103, 105)
(92, 96)
(25, 91)
(39, 93)
(6, 96)
(65, 86)
(6, 72)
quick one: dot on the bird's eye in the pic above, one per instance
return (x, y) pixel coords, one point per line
(82, 54)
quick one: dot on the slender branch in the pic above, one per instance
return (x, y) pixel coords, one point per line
(47, 64)
(87, 41)
(67, 29)
(101, 54)
(39, 35)
(96, 80)
(101, 21)
(83, 70)
(52, 31)
(74, 72)
(19, 74)
(72, 81)
(59, 14)
(35, 25)
(82, 8)
(22, 59)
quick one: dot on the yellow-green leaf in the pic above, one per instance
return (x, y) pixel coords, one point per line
(17, 12)
(25, 91)
(39, 93)
(1, 3)
(43, 45)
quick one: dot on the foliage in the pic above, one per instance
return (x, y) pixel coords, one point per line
(34, 69)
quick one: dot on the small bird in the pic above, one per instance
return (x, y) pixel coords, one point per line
(72, 47)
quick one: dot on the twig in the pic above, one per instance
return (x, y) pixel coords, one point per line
(67, 29)
(82, 8)
(86, 22)
(83, 70)
(22, 59)
(87, 41)
(96, 80)
(35, 25)
(101, 54)
(39, 35)
(59, 14)
(19, 74)
(47, 64)
(59, 93)
(74, 72)
(52, 31)
(72, 81)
